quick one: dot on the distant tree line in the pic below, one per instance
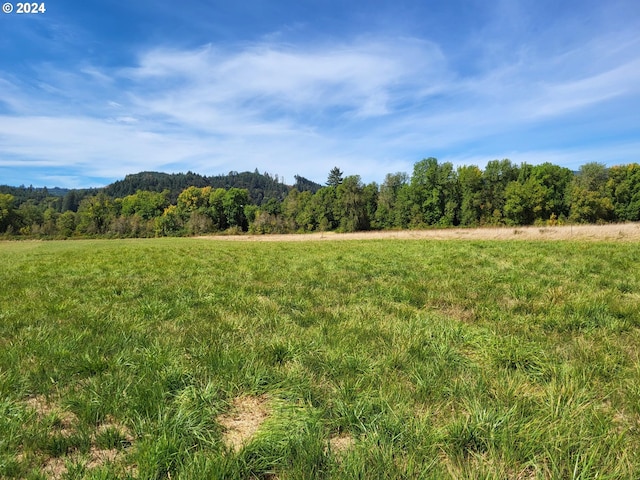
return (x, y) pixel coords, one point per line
(435, 195)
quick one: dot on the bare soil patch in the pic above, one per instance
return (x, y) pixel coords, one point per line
(243, 421)
(56, 467)
(66, 421)
(341, 443)
(627, 232)
(98, 457)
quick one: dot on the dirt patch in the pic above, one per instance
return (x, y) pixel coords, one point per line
(98, 457)
(65, 421)
(40, 404)
(341, 443)
(55, 468)
(243, 421)
(457, 312)
(627, 232)
(65, 425)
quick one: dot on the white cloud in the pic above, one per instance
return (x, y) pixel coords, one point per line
(363, 79)
(561, 98)
(370, 106)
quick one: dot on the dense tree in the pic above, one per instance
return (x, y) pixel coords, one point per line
(50, 217)
(272, 207)
(66, 223)
(495, 178)
(29, 217)
(39, 196)
(323, 205)
(589, 200)
(385, 215)
(470, 183)
(298, 211)
(524, 201)
(350, 206)
(170, 222)
(405, 209)
(95, 214)
(555, 180)
(434, 193)
(145, 204)
(303, 185)
(592, 176)
(261, 187)
(233, 204)
(7, 211)
(623, 187)
(193, 199)
(370, 193)
(216, 208)
(71, 201)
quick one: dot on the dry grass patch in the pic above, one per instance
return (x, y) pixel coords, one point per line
(98, 457)
(458, 312)
(44, 407)
(55, 467)
(341, 443)
(616, 231)
(65, 421)
(244, 419)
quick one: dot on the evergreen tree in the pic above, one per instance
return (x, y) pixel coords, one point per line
(335, 177)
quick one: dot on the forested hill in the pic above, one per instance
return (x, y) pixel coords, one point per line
(22, 193)
(59, 198)
(261, 186)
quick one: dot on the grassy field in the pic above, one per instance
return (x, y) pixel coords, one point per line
(187, 358)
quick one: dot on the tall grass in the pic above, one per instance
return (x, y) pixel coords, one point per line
(436, 359)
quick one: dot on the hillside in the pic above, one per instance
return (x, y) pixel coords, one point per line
(261, 186)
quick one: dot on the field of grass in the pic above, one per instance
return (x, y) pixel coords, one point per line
(195, 359)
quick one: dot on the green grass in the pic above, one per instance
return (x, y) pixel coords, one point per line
(439, 359)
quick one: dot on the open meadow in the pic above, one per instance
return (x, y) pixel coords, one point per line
(189, 358)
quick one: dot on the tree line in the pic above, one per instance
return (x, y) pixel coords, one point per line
(434, 195)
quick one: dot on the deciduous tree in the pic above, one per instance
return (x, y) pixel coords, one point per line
(7, 211)
(470, 184)
(233, 203)
(385, 215)
(495, 178)
(95, 213)
(145, 204)
(623, 187)
(589, 200)
(434, 192)
(350, 210)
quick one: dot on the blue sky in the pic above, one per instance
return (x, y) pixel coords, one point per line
(92, 91)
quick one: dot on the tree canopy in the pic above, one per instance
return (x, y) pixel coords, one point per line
(435, 194)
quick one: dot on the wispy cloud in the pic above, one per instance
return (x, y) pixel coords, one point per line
(363, 78)
(371, 105)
